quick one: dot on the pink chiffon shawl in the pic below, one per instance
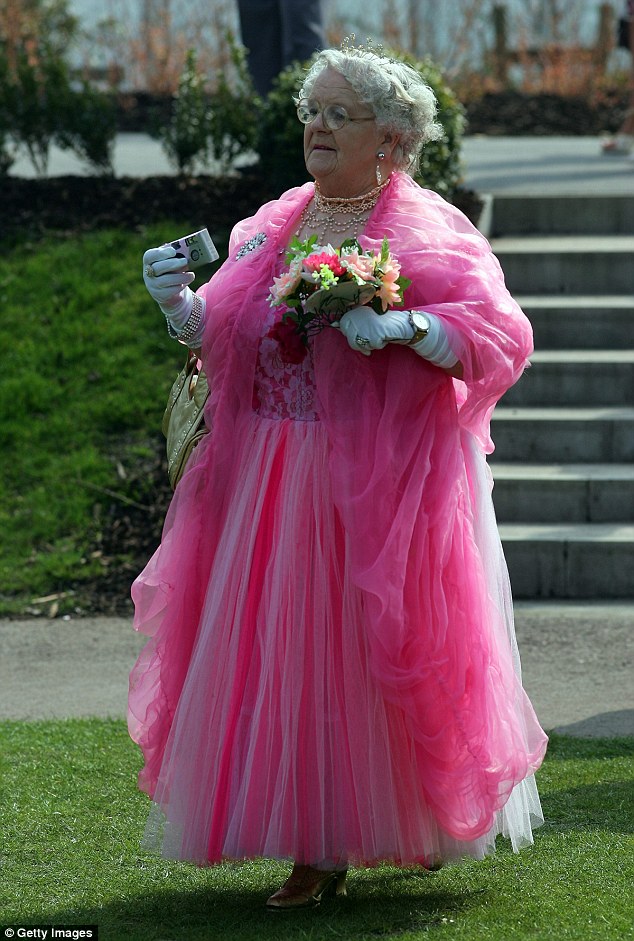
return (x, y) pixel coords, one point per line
(407, 446)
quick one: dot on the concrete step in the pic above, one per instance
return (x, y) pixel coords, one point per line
(561, 215)
(563, 493)
(563, 435)
(576, 377)
(570, 561)
(564, 462)
(580, 321)
(567, 264)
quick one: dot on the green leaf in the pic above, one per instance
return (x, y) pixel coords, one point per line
(299, 249)
(403, 284)
(350, 244)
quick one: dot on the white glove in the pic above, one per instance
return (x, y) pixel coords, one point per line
(435, 346)
(366, 330)
(167, 282)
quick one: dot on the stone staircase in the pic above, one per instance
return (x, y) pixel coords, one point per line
(564, 460)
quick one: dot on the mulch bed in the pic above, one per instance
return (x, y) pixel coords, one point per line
(129, 532)
(512, 113)
(81, 204)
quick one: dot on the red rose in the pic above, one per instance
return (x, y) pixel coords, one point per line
(292, 345)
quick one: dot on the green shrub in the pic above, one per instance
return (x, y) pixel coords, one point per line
(42, 102)
(220, 125)
(440, 167)
(280, 135)
(88, 126)
(7, 150)
(7, 156)
(233, 111)
(31, 97)
(185, 136)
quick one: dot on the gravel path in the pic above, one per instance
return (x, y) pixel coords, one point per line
(577, 662)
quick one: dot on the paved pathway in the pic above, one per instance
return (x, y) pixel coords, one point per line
(578, 663)
(560, 165)
(545, 165)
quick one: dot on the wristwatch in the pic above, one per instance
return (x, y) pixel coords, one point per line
(419, 324)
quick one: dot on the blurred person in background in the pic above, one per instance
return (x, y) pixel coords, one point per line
(623, 141)
(278, 32)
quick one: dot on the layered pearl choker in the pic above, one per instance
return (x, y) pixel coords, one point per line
(338, 213)
(350, 204)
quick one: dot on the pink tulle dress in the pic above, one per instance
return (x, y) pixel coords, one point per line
(331, 674)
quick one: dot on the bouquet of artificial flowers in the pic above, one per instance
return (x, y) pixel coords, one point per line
(321, 283)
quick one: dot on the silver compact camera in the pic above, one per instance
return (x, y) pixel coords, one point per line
(198, 248)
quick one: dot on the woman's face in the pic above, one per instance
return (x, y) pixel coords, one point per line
(344, 161)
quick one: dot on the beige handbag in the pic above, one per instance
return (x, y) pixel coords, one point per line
(183, 423)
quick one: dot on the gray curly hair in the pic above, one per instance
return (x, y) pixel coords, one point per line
(402, 102)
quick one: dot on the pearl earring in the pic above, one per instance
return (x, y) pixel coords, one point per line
(379, 175)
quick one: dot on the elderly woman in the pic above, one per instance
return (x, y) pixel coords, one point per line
(332, 677)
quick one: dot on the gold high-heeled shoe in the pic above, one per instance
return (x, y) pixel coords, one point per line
(305, 886)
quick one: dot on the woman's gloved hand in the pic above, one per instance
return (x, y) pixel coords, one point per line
(167, 282)
(366, 330)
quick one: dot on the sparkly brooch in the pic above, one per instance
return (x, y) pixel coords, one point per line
(250, 245)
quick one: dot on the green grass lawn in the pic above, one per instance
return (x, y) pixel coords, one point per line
(86, 369)
(72, 819)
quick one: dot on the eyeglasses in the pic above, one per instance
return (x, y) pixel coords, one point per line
(333, 116)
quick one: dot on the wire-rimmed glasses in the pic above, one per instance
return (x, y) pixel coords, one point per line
(334, 116)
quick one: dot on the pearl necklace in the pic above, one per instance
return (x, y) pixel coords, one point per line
(338, 213)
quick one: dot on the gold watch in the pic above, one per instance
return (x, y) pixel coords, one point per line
(419, 324)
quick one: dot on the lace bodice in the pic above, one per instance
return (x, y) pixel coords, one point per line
(281, 389)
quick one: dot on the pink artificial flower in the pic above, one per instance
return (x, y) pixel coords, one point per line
(360, 266)
(314, 263)
(287, 282)
(389, 291)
